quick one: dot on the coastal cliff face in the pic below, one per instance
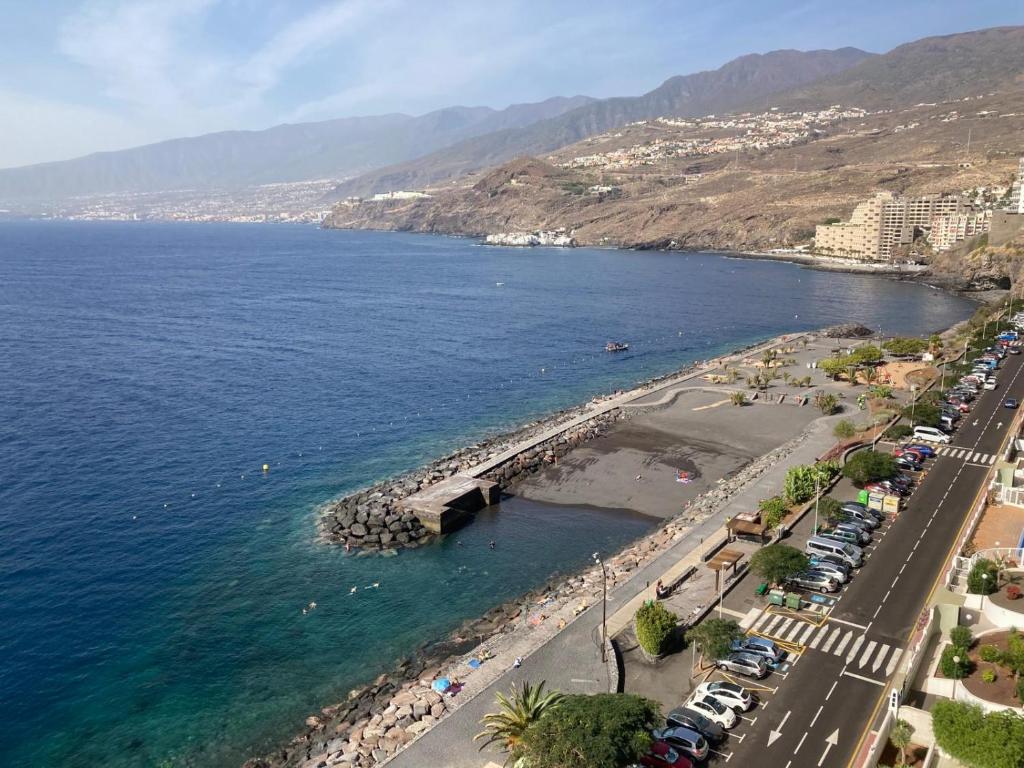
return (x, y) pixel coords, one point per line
(669, 184)
(981, 268)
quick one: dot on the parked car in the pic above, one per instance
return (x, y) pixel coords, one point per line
(744, 664)
(856, 506)
(852, 522)
(860, 516)
(762, 647)
(831, 570)
(906, 462)
(713, 710)
(990, 385)
(932, 434)
(848, 537)
(685, 740)
(1014, 350)
(1010, 402)
(661, 755)
(682, 717)
(730, 694)
(820, 582)
(863, 537)
(925, 450)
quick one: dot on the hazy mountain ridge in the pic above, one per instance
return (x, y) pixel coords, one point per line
(735, 85)
(297, 152)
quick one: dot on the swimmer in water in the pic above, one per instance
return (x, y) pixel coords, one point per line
(492, 544)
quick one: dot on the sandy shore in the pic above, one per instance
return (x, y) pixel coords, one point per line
(696, 433)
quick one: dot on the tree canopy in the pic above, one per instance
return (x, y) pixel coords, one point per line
(715, 636)
(903, 346)
(778, 562)
(655, 625)
(868, 466)
(516, 712)
(607, 730)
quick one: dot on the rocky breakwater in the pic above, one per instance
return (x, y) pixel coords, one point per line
(375, 519)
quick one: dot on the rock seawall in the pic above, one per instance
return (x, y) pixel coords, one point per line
(375, 519)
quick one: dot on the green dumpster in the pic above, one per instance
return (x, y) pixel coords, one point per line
(862, 497)
(776, 597)
(793, 600)
(761, 588)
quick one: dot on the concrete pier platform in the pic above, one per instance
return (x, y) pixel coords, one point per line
(442, 507)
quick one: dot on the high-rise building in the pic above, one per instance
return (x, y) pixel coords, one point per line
(1016, 204)
(953, 228)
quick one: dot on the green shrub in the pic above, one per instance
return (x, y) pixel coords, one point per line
(976, 739)
(951, 669)
(1020, 690)
(990, 654)
(655, 626)
(961, 636)
(988, 675)
(977, 584)
(829, 509)
(773, 510)
(898, 431)
(778, 562)
(844, 429)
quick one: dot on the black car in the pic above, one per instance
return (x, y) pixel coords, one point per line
(851, 506)
(905, 462)
(682, 717)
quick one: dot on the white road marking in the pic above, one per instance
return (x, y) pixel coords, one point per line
(801, 743)
(805, 634)
(818, 637)
(793, 631)
(882, 652)
(866, 656)
(830, 741)
(832, 639)
(834, 684)
(865, 679)
(846, 639)
(848, 623)
(816, 714)
(891, 667)
(854, 648)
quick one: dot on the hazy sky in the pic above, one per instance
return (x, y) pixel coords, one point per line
(77, 76)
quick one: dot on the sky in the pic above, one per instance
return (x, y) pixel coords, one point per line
(80, 76)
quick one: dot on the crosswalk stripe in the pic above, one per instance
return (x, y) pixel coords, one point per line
(866, 656)
(832, 639)
(854, 648)
(974, 456)
(961, 453)
(778, 622)
(880, 657)
(818, 637)
(792, 631)
(762, 620)
(844, 642)
(805, 634)
(891, 667)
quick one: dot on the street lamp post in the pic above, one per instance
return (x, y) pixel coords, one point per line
(604, 609)
(913, 403)
(956, 674)
(984, 589)
(817, 496)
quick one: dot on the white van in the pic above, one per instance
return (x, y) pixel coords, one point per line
(930, 433)
(819, 545)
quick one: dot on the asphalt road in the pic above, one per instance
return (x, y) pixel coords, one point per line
(826, 699)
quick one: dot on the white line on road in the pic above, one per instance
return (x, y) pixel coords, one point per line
(865, 679)
(847, 623)
(834, 684)
(876, 612)
(891, 667)
(880, 657)
(832, 639)
(886, 595)
(867, 654)
(830, 741)
(854, 648)
(844, 642)
(816, 715)
(801, 743)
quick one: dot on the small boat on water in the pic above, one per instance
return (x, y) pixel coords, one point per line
(616, 346)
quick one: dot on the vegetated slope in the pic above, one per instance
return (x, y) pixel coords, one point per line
(733, 86)
(932, 69)
(300, 152)
(753, 200)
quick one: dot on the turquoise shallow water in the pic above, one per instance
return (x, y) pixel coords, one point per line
(152, 578)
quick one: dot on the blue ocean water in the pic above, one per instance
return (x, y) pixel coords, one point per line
(152, 577)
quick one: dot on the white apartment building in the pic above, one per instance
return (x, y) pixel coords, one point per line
(1017, 191)
(954, 228)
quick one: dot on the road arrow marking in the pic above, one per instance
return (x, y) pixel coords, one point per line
(776, 734)
(830, 742)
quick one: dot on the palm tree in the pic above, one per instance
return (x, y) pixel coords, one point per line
(870, 374)
(516, 712)
(900, 736)
(738, 398)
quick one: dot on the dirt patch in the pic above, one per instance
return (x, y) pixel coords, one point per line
(1000, 526)
(901, 374)
(914, 756)
(1003, 689)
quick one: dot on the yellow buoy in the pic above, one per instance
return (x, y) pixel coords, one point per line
(266, 467)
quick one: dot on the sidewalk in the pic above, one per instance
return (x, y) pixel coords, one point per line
(570, 660)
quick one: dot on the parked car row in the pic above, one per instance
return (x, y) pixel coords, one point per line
(692, 729)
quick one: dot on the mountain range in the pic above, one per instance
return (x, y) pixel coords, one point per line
(401, 152)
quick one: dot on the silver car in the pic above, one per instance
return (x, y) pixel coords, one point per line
(815, 580)
(831, 570)
(864, 537)
(744, 664)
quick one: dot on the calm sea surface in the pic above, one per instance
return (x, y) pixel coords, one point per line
(152, 577)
